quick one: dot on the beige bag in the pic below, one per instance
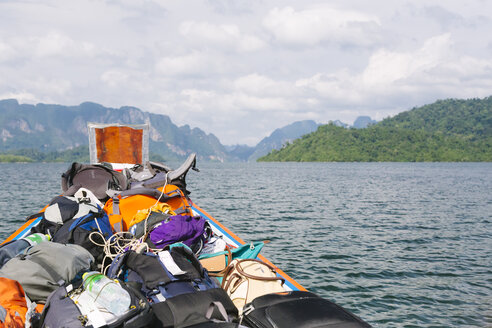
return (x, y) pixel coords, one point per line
(244, 280)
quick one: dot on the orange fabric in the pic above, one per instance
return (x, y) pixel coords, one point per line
(12, 299)
(119, 144)
(129, 206)
(39, 308)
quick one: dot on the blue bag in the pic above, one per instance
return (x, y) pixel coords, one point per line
(90, 231)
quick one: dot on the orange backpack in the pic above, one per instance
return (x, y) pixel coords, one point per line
(122, 208)
(13, 306)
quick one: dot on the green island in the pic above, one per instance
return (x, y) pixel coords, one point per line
(449, 130)
(77, 154)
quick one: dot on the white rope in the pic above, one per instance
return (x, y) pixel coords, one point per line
(157, 202)
(119, 243)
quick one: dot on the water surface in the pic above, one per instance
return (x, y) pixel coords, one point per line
(399, 244)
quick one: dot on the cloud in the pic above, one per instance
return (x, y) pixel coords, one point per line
(321, 23)
(261, 85)
(386, 67)
(241, 69)
(223, 35)
(6, 52)
(114, 78)
(51, 44)
(189, 65)
(21, 96)
(391, 77)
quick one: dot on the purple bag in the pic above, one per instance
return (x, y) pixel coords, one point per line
(178, 228)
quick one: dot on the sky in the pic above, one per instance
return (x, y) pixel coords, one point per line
(240, 69)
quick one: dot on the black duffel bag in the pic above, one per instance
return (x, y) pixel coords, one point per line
(300, 309)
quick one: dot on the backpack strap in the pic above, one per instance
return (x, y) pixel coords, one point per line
(80, 221)
(145, 191)
(219, 306)
(154, 193)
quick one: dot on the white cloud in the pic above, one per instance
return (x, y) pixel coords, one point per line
(56, 43)
(386, 67)
(193, 64)
(321, 23)
(21, 96)
(390, 76)
(261, 85)
(52, 44)
(224, 35)
(114, 78)
(50, 87)
(6, 52)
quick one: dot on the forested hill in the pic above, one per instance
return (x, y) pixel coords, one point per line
(471, 117)
(447, 130)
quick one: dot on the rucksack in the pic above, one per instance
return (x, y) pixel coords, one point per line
(90, 231)
(244, 280)
(45, 266)
(62, 209)
(68, 306)
(179, 289)
(155, 175)
(98, 178)
(13, 305)
(122, 207)
(300, 309)
(190, 230)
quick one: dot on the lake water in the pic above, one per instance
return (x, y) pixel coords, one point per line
(399, 244)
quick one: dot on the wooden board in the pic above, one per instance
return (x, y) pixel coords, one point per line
(119, 144)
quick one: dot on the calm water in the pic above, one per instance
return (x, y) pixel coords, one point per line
(399, 244)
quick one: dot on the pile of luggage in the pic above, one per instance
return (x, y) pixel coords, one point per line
(123, 249)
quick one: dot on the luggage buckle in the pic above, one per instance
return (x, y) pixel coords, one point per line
(248, 309)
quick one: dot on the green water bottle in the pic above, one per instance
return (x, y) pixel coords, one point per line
(36, 238)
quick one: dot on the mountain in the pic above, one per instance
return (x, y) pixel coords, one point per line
(280, 137)
(340, 123)
(447, 130)
(49, 128)
(363, 122)
(240, 152)
(45, 132)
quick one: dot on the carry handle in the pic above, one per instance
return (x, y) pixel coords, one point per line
(222, 272)
(247, 275)
(155, 193)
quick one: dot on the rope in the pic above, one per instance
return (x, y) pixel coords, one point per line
(119, 242)
(157, 202)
